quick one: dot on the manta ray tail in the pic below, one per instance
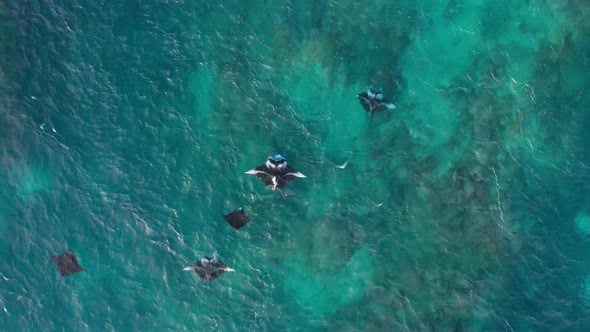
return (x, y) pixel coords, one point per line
(229, 269)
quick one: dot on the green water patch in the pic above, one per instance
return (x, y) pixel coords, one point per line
(29, 181)
(582, 224)
(307, 90)
(347, 121)
(326, 268)
(532, 27)
(469, 143)
(323, 294)
(214, 102)
(203, 86)
(572, 77)
(445, 49)
(585, 291)
(4, 219)
(276, 77)
(135, 264)
(223, 130)
(454, 275)
(322, 100)
(436, 57)
(450, 50)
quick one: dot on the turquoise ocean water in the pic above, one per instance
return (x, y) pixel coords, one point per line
(126, 128)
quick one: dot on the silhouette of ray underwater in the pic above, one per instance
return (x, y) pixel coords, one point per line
(209, 268)
(237, 218)
(372, 101)
(67, 263)
(275, 173)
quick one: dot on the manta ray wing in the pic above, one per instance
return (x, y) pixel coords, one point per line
(236, 219)
(203, 271)
(291, 173)
(66, 263)
(287, 177)
(214, 270)
(382, 106)
(295, 175)
(365, 101)
(288, 174)
(390, 106)
(262, 173)
(209, 271)
(255, 172)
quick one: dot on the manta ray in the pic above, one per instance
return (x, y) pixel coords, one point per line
(372, 101)
(67, 263)
(237, 218)
(275, 173)
(209, 268)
